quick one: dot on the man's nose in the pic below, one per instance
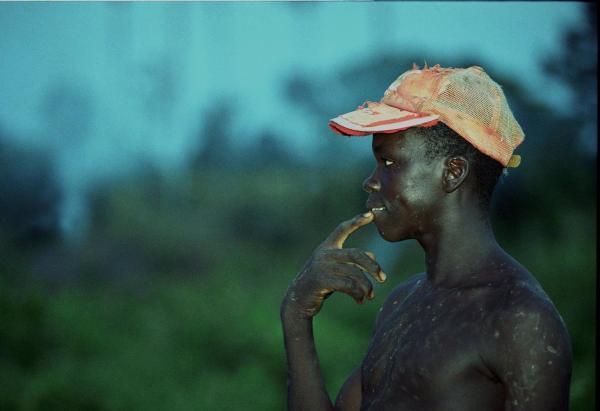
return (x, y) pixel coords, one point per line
(371, 184)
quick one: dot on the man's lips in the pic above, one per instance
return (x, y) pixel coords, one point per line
(373, 206)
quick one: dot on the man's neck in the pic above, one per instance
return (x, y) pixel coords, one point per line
(458, 247)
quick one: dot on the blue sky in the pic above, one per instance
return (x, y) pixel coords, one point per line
(141, 74)
(247, 48)
(242, 50)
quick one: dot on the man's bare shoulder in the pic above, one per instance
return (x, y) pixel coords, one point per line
(523, 323)
(523, 307)
(527, 346)
(513, 287)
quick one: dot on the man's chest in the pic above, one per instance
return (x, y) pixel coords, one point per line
(426, 345)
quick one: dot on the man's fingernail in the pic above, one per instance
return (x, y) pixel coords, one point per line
(367, 214)
(382, 275)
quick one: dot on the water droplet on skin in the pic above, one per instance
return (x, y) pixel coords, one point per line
(497, 334)
(551, 349)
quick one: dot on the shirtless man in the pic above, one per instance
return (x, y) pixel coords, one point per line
(475, 331)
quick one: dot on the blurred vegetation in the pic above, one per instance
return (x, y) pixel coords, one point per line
(171, 300)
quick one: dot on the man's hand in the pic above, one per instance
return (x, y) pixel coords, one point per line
(333, 268)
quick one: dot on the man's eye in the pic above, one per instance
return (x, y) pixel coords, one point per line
(387, 162)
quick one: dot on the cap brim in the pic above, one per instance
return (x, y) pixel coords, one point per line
(379, 118)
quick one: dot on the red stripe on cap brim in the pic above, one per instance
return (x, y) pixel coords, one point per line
(344, 127)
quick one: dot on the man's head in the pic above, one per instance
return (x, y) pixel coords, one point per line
(441, 138)
(422, 175)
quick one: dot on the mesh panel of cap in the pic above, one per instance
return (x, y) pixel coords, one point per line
(467, 100)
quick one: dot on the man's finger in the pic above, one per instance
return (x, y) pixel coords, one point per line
(340, 234)
(349, 286)
(382, 275)
(361, 259)
(353, 281)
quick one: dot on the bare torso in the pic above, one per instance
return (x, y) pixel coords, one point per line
(431, 345)
(425, 354)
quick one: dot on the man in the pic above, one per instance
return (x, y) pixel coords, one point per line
(475, 331)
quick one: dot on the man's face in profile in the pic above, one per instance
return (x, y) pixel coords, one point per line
(404, 189)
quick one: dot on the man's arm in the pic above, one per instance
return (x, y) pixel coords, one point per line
(331, 268)
(532, 355)
(306, 388)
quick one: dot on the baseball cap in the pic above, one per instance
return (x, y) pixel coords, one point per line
(465, 99)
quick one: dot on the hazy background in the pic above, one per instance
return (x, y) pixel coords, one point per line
(165, 169)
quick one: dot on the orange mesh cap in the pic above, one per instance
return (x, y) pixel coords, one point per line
(465, 99)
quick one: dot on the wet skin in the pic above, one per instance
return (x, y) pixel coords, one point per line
(474, 332)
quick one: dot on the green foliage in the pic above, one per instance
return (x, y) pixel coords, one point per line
(173, 300)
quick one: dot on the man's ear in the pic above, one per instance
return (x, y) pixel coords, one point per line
(455, 172)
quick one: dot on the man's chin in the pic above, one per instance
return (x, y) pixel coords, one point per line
(390, 235)
(389, 228)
